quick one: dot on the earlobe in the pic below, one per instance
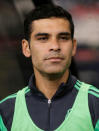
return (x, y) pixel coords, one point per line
(26, 48)
(74, 47)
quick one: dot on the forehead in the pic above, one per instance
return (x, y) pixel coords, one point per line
(51, 25)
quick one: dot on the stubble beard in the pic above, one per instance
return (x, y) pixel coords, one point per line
(52, 76)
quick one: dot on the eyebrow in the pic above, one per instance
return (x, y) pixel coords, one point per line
(41, 34)
(46, 34)
(65, 33)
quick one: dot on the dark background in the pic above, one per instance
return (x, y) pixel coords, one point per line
(15, 69)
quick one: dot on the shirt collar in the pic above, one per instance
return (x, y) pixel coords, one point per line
(62, 90)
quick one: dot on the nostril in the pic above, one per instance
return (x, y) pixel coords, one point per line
(55, 50)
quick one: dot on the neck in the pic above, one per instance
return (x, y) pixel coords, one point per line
(48, 86)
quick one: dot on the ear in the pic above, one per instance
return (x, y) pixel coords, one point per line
(74, 47)
(26, 48)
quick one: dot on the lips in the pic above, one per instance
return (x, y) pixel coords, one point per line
(55, 59)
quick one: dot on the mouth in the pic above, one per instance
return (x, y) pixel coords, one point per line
(55, 59)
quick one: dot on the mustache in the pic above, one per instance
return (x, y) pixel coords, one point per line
(54, 55)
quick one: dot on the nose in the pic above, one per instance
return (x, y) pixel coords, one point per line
(55, 45)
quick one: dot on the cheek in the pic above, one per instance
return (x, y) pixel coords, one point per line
(68, 50)
(37, 56)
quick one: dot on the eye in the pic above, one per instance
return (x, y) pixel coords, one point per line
(42, 38)
(64, 37)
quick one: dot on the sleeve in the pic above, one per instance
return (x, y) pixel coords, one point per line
(6, 113)
(2, 126)
(94, 106)
(97, 115)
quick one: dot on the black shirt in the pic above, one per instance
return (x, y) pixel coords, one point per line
(49, 116)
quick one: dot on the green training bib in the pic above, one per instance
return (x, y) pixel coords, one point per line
(78, 119)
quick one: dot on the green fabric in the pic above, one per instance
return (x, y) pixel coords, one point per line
(9, 97)
(78, 119)
(93, 90)
(2, 126)
(97, 126)
(21, 115)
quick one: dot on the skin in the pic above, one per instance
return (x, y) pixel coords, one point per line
(51, 49)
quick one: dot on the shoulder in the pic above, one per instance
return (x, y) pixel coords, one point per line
(93, 100)
(7, 107)
(10, 100)
(93, 91)
(93, 94)
(8, 103)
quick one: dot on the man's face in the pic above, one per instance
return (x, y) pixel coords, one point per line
(51, 46)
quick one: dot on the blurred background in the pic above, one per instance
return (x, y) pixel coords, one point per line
(15, 69)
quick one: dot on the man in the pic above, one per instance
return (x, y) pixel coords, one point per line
(54, 100)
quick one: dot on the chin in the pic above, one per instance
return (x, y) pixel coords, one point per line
(56, 72)
(54, 75)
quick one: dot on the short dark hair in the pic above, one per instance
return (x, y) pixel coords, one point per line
(46, 11)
